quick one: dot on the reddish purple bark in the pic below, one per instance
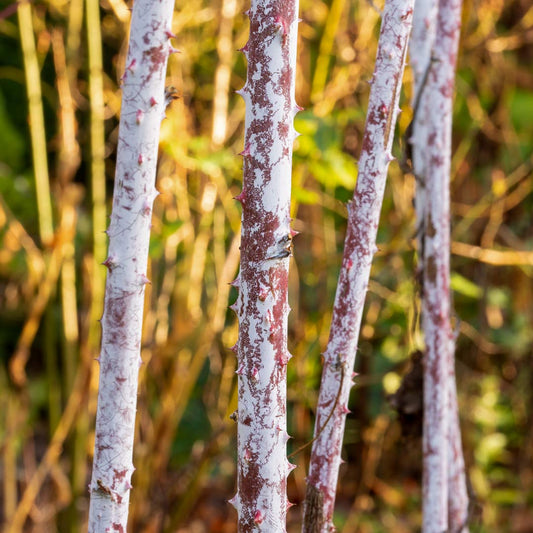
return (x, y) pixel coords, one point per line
(359, 249)
(262, 304)
(440, 424)
(143, 105)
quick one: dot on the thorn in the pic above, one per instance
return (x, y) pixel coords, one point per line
(247, 455)
(285, 436)
(235, 347)
(139, 116)
(169, 33)
(129, 486)
(355, 374)
(246, 13)
(244, 49)
(236, 282)
(234, 501)
(143, 280)
(241, 197)
(389, 157)
(97, 359)
(345, 410)
(293, 233)
(132, 66)
(140, 159)
(289, 505)
(235, 308)
(282, 25)
(172, 50)
(110, 263)
(258, 517)
(240, 370)
(290, 466)
(255, 374)
(246, 151)
(153, 102)
(298, 108)
(349, 264)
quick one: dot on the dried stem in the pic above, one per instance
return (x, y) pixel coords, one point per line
(98, 181)
(37, 129)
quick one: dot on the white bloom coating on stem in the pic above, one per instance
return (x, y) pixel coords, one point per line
(262, 305)
(436, 311)
(457, 491)
(420, 46)
(129, 233)
(359, 248)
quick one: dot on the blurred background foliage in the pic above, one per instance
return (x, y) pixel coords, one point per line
(59, 107)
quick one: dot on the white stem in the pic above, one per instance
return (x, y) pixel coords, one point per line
(436, 311)
(129, 232)
(359, 250)
(262, 305)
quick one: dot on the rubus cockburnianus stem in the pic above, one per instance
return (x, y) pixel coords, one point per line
(262, 305)
(443, 469)
(143, 106)
(420, 47)
(359, 248)
(458, 500)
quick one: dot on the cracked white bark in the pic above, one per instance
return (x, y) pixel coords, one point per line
(359, 249)
(262, 304)
(143, 105)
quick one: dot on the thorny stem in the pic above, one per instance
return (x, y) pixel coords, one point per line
(326, 422)
(359, 249)
(129, 232)
(262, 305)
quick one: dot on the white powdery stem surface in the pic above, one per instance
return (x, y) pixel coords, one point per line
(420, 47)
(436, 293)
(143, 106)
(359, 249)
(262, 305)
(457, 491)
